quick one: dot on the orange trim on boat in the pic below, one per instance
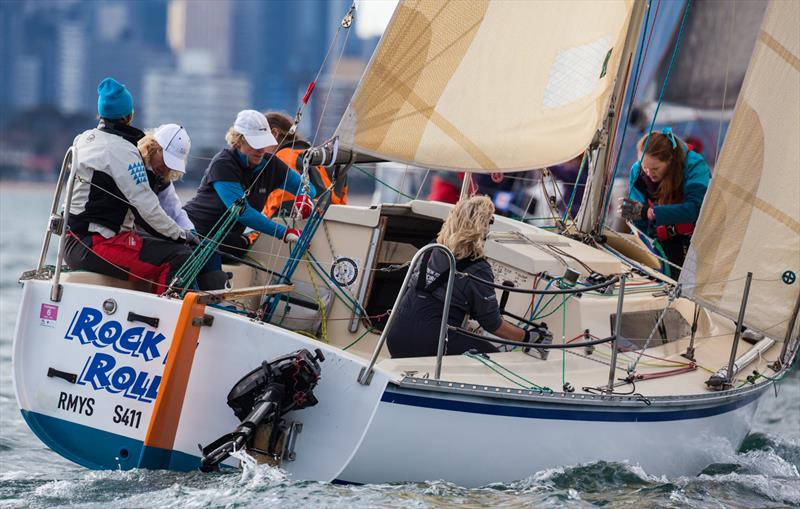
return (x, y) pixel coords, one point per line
(169, 402)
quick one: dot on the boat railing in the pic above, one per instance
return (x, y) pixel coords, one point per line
(365, 376)
(57, 223)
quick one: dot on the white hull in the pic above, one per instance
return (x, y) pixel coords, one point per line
(385, 431)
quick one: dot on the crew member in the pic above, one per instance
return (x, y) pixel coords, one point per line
(291, 148)
(415, 330)
(665, 194)
(112, 189)
(243, 168)
(164, 153)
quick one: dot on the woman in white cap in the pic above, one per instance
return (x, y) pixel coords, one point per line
(164, 152)
(244, 166)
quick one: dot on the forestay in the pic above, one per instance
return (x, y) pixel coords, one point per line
(750, 220)
(488, 86)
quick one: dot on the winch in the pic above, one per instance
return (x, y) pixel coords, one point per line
(259, 400)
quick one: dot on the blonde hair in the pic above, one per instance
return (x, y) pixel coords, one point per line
(234, 139)
(464, 231)
(148, 147)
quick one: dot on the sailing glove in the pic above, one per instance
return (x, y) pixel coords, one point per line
(292, 235)
(632, 210)
(190, 237)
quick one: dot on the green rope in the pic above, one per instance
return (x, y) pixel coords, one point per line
(359, 338)
(486, 360)
(186, 275)
(401, 193)
(563, 340)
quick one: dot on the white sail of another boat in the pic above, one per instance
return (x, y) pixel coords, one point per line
(488, 86)
(750, 221)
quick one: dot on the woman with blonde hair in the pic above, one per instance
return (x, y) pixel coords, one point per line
(415, 332)
(164, 153)
(245, 170)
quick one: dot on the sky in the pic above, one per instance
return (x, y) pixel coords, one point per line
(372, 16)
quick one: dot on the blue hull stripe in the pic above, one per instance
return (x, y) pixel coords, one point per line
(101, 450)
(645, 414)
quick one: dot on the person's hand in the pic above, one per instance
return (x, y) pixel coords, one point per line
(303, 206)
(632, 210)
(190, 237)
(651, 214)
(292, 235)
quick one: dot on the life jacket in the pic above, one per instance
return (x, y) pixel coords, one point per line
(667, 231)
(292, 153)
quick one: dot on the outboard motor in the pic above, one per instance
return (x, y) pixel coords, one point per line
(260, 399)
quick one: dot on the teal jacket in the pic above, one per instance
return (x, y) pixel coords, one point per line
(696, 176)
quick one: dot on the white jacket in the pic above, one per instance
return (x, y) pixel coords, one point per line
(112, 187)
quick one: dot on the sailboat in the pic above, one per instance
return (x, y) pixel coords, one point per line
(290, 365)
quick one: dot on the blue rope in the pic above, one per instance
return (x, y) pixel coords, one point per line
(658, 104)
(575, 188)
(630, 108)
(296, 254)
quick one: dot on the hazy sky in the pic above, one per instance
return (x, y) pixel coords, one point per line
(372, 16)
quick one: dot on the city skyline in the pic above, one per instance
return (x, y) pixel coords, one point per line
(195, 63)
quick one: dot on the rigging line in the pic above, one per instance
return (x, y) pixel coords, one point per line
(422, 185)
(365, 172)
(402, 184)
(652, 333)
(643, 50)
(725, 88)
(584, 163)
(666, 78)
(550, 203)
(330, 87)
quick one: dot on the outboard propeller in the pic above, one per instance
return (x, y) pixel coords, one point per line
(263, 396)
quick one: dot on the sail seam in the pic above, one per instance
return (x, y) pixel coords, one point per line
(780, 49)
(732, 188)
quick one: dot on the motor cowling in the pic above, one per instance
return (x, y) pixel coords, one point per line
(261, 398)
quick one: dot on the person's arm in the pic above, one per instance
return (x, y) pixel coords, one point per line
(128, 172)
(697, 177)
(171, 204)
(229, 192)
(294, 182)
(508, 331)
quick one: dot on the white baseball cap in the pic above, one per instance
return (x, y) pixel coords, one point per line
(254, 127)
(175, 143)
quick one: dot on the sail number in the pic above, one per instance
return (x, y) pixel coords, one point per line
(127, 417)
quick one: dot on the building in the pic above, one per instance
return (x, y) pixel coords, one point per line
(194, 96)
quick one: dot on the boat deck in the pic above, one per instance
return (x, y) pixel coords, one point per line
(582, 370)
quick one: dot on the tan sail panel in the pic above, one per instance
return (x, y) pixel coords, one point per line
(751, 216)
(488, 86)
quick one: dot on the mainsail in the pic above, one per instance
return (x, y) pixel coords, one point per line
(750, 221)
(488, 86)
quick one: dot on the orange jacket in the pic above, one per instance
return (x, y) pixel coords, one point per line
(318, 175)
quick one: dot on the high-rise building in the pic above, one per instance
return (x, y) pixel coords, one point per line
(205, 26)
(204, 103)
(332, 97)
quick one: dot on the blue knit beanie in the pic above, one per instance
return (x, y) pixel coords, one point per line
(113, 99)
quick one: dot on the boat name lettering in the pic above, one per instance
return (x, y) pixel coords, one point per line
(102, 373)
(88, 326)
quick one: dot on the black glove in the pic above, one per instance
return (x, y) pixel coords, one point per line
(632, 210)
(190, 237)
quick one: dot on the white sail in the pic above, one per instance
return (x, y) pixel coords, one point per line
(488, 86)
(750, 220)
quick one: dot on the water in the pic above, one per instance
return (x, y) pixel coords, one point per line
(763, 473)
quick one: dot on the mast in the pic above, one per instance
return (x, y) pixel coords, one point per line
(594, 192)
